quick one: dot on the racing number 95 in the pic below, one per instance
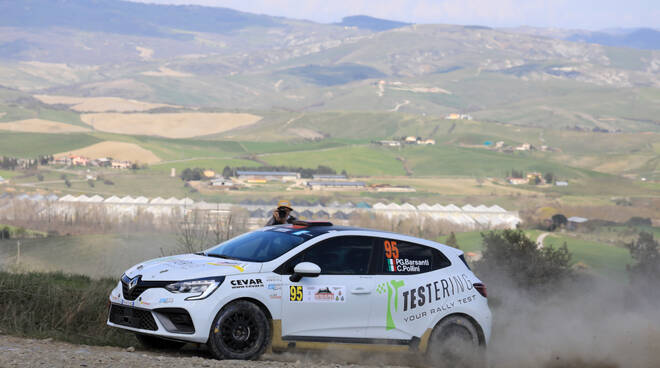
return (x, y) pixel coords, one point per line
(391, 250)
(296, 293)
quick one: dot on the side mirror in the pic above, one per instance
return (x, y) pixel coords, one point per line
(305, 269)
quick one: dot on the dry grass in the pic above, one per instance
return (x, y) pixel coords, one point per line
(454, 186)
(101, 104)
(117, 150)
(41, 126)
(171, 125)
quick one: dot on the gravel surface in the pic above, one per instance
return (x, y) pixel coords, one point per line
(21, 352)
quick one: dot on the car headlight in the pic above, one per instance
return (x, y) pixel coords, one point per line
(202, 288)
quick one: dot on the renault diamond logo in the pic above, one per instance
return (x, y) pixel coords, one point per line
(132, 283)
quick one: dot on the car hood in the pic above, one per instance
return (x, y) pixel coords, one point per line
(189, 266)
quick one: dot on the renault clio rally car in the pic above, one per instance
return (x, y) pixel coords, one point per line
(306, 285)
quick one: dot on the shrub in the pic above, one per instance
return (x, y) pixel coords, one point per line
(511, 254)
(645, 272)
(451, 241)
(70, 308)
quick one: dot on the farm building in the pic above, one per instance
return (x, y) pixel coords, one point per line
(221, 182)
(335, 185)
(329, 177)
(575, 222)
(268, 175)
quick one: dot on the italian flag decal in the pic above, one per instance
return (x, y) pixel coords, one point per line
(390, 265)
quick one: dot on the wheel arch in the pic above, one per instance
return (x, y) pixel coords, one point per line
(480, 332)
(259, 304)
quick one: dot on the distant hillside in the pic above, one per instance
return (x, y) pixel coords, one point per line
(124, 17)
(643, 38)
(371, 23)
(221, 60)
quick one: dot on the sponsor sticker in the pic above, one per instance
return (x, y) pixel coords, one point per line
(246, 283)
(393, 263)
(239, 266)
(317, 294)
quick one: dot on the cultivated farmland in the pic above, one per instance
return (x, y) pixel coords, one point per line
(117, 150)
(180, 125)
(41, 126)
(100, 104)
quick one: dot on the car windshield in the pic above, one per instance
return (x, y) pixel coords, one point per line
(260, 246)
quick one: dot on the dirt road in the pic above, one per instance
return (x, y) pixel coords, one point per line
(19, 352)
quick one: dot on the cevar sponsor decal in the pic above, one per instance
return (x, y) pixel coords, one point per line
(247, 283)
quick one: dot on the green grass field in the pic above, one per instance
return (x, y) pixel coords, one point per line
(356, 160)
(7, 174)
(602, 259)
(31, 145)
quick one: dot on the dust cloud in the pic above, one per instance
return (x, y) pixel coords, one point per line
(591, 322)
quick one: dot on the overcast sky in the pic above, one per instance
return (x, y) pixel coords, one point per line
(588, 14)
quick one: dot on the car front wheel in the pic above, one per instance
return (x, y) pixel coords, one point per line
(454, 342)
(241, 330)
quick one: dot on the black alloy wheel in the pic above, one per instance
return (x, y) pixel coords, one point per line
(241, 330)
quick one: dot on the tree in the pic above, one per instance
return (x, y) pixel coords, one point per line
(510, 254)
(5, 233)
(549, 177)
(226, 172)
(558, 220)
(451, 240)
(645, 272)
(67, 183)
(192, 232)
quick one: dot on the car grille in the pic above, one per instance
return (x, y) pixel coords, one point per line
(132, 317)
(140, 288)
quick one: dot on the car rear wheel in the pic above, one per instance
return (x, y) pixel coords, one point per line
(454, 342)
(153, 342)
(241, 330)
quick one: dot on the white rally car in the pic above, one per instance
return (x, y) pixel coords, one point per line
(306, 285)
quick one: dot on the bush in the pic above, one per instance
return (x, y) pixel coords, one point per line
(5, 233)
(639, 221)
(69, 308)
(451, 241)
(645, 272)
(511, 254)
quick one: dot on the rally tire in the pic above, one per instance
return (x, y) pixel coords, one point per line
(156, 343)
(454, 342)
(241, 330)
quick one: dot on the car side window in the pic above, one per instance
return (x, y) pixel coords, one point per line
(400, 257)
(341, 255)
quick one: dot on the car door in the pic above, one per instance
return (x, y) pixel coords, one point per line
(336, 305)
(407, 277)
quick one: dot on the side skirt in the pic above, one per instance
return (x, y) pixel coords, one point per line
(280, 342)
